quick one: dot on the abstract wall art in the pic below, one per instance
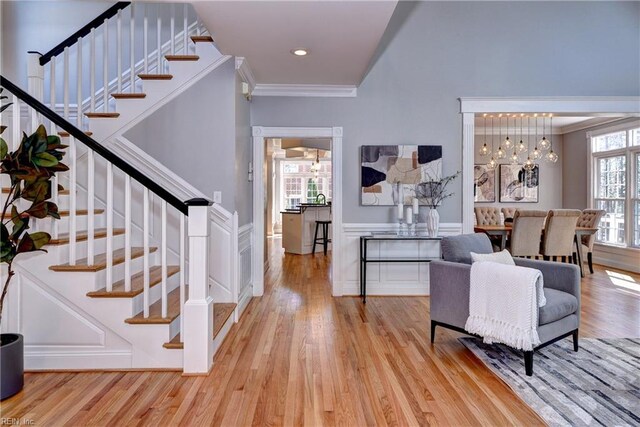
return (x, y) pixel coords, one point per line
(518, 184)
(390, 173)
(484, 184)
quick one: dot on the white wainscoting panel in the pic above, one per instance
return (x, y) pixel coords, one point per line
(245, 279)
(389, 278)
(220, 255)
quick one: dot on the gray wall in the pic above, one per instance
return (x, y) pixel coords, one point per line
(39, 26)
(194, 134)
(434, 52)
(575, 183)
(550, 190)
(244, 155)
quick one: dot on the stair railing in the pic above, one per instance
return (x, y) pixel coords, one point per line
(196, 308)
(142, 33)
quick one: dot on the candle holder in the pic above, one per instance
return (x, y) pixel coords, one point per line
(402, 229)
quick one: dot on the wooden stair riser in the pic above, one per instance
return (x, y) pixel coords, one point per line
(201, 39)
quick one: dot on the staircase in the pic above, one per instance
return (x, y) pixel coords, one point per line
(125, 248)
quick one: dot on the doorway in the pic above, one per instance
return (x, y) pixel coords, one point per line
(267, 207)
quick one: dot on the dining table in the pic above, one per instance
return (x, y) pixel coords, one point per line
(503, 231)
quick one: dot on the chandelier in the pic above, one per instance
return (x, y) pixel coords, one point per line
(524, 151)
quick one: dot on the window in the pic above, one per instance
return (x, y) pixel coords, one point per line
(616, 185)
(299, 184)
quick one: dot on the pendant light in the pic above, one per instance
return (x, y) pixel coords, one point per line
(493, 163)
(552, 157)
(514, 156)
(484, 150)
(536, 154)
(507, 142)
(501, 154)
(521, 145)
(544, 143)
(528, 164)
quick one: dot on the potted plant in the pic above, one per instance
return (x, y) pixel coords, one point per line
(432, 193)
(30, 169)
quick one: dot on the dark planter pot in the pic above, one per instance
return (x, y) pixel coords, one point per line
(11, 364)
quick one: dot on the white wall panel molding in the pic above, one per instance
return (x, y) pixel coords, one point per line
(322, 91)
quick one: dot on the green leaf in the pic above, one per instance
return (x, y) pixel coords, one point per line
(4, 148)
(2, 129)
(40, 239)
(45, 160)
(29, 244)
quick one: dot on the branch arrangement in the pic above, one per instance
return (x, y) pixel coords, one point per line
(432, 192)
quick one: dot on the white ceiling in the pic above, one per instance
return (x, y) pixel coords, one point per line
(341, 37)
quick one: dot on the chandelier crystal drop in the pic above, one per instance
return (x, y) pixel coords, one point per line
(507, 142)
(501, 154)
(493, 163)
(552, 157)
(485, 150)
(514, 158)
(544, 143)
(536, 154)
(529, 164)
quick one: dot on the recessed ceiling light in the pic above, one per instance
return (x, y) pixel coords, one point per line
(300, 52)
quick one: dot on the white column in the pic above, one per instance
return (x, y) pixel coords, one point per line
(198, 310)
(467, 171)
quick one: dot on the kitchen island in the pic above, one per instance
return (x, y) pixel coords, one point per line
(298, 227)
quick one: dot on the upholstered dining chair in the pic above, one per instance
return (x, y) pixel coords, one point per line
(589, 218)
(559, 234)
(509, 213)
(487, 216)
(526, 233)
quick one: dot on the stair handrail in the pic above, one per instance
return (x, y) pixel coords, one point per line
(73, 38)
(100, 149)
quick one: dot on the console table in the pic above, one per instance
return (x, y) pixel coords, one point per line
(378, 237)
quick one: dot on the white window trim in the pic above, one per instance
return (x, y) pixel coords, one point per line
(629, 152)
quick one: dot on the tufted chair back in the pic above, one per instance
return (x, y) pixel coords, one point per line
(560, 231)
(590, 218)
(509, 212)
(487, 216)
(526, 232)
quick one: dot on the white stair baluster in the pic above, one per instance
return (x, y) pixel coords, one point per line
(79, 86)
(105, 66)
(127, 233)
(145, 256)
(185, 32)
(132, 50)
(164, 258)
(92, 71)
(65, 82)
(90, 206)
(52, 91)
(72, 200)
(119, 48)
(159, 41)
(182, 274)
(145, 39)
(173, 29)
(15, 118)
(109, 267)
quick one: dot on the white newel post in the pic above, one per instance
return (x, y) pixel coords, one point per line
(35, 84)
(198, 310)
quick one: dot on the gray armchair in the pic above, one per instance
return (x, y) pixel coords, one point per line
(449, 284)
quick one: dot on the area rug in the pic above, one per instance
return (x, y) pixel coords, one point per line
(598, 385)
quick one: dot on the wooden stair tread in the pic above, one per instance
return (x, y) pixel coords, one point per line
(201, 39)
(81, 212)
(102, 115)
(99, 233)
(155, 311)
(137, 283)
(174, 344)
(129, 95)
(65, 192)
(155, 76)
(65, 134)
(181, 57)
(221, 313)
(100, 260)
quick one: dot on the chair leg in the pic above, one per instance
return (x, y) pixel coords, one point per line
(590, 261)
(325, 237)
(315, 238)
(528, 363)
(433, 331)
(575, 340)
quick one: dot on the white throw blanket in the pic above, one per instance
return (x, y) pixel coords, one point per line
(503, 304)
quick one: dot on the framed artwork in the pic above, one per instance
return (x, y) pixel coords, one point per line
(484, 184)
(517, 185)
(391, 173)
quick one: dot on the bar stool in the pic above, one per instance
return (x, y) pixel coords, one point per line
(325, 236)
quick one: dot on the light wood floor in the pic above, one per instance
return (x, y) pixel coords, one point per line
(299, 356)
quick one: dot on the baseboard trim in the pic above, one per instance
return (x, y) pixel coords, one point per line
(69, 361)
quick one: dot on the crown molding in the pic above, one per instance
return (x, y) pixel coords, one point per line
(327, 91)
(242, 66)
(607, 105)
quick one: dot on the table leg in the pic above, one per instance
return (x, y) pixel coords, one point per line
(576, 239)
(364, 275)
(503, 241)
(360, 260)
